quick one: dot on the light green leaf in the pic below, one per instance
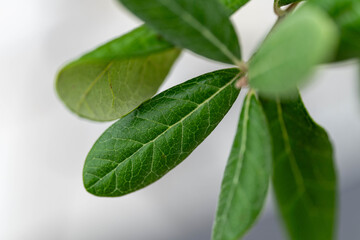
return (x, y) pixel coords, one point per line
(246, 176)
(346, 14)
(234, 5)
(147, 143)
(201, 26)
(112, 80)
(290, 53)
(304, 176)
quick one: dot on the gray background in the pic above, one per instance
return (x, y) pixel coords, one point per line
(43, 145)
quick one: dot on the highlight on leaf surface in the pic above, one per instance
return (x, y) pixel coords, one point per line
(304, 178)
(246, 177)
(200, 26)
(289, 55)
(115, 78)
(151, 140)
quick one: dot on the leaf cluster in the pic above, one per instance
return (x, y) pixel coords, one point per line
(275, 138)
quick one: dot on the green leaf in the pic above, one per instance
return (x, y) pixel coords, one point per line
(112, 80)
(246, 176)
(147, 143)
(286, 2)
(304, 176)
(290, 53)
(234, 5)
(201, 26)
(346, 14)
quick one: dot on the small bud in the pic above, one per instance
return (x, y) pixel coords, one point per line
(242, 82)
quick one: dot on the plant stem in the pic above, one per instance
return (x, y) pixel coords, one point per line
(278, 11)
(243, 66)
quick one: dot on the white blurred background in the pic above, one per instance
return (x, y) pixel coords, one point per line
(43, 145)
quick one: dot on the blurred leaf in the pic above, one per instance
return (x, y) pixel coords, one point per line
(346, 14)
(290, 53)
(304, 176)
(201, 26)
(246, 177)
(234, 5)
(112, 80)
(147, 143)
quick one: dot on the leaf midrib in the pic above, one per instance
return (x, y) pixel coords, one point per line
(299, 179)
(87, 91)
(193, 22)
(170, 127)
(102, 74)
(240, 161)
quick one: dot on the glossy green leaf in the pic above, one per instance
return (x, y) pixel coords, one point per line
(304, 176)
(234, 5)
(147, 143)
(201, 26)
(246, 176)
(112, 80)
(290, 53)
(346, 14)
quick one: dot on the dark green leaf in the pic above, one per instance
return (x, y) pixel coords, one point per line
(346, 14)
(246, 177)
(234, 5)
(201, 26)
(112, 80)
(304, 176)
(286, 2)
(290, 53)
(147, 143)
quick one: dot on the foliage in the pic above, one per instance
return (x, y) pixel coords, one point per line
(276, 138)
(303, 172)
